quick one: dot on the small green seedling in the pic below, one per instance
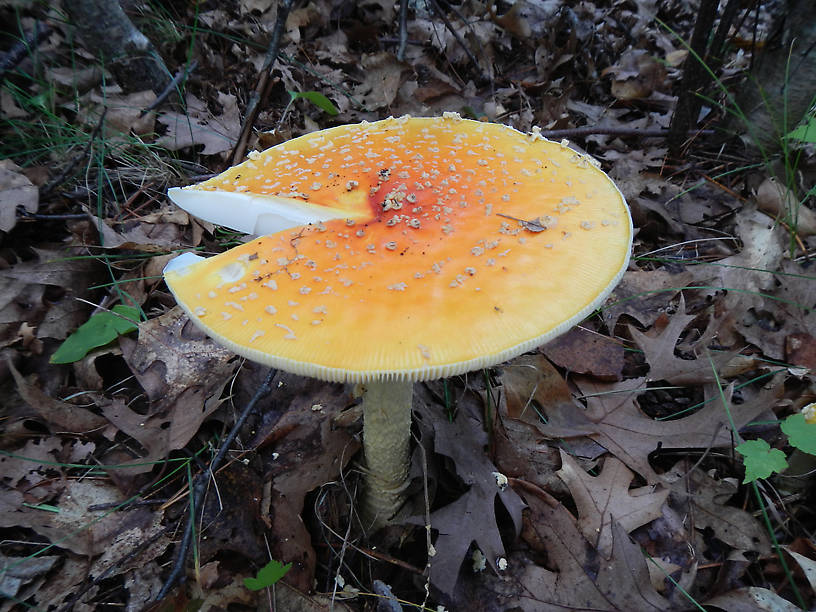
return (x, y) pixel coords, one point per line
(101, 329)
(805, 132)
(801, 434)
(761, 460)
(316, 98)
(268, 575)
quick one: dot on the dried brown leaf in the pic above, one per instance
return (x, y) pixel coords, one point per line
(183, 373)
(808, 567)
(747, 276)
(22, 290)
(637, 75)
(583, 579)
(699, 495)
(232, 513)
(173, 360)
(472, 517)
(311, 451)
(30, 463)
(199, 127)
(752, 599)
(613, 419)
(15, 190)
(775, 199)
(643, 295)
(529, 382)
(607, 498)
(585, 352)
(73, 526)
(658, 347)
(800, 349)
(519, 452)
(142, 235)
(124, 113)
(59, 416)
(16, 572)
(383, 76)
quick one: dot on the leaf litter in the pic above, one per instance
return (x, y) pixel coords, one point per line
(598, 472)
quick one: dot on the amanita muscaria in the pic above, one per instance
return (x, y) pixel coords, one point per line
(398, 251)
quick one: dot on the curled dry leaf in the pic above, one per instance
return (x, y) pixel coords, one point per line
(530, 382)
(644, 295)
(15, 190)
(520, 452)
(173, 360)
(151, 234)
(747, 277)
(183, 373)
(58, 416)
(199, 127)
(583, 351)
(778, 201)
(124, 113)
(807, 565)
(790, 313)
(383, 76)
(637, 76)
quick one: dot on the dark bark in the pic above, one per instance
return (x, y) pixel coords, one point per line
(23, 48)
(695, 76)
(108, 33)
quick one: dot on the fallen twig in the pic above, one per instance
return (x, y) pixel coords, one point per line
(254, 106)
(180, 76)
(439, 11)
(22, 47)
(615, 131)
(403, 30)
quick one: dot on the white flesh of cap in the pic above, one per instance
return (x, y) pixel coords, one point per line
(182, 261)
(252, 214)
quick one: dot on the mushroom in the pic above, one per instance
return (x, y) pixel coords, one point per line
(399, 251)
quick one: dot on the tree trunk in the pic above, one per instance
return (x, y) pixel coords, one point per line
(695, 77)
(109, 34)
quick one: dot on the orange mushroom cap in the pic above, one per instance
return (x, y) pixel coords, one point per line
(431, 247)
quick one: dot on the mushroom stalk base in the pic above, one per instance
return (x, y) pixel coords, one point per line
(386, 443)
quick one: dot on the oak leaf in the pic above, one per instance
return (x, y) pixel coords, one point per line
(607, 498)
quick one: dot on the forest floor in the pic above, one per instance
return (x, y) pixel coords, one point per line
(666, 463)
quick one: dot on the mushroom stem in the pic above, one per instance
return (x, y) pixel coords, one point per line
(386, 443)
